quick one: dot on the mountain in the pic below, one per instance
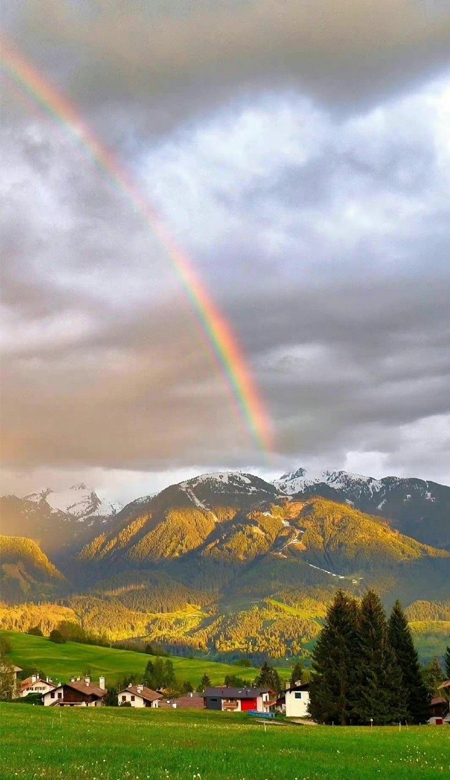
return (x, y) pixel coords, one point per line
(58, 521)
(26, 572)
(415, 507)
(228, 562)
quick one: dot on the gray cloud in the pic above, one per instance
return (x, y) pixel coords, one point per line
(322, 233)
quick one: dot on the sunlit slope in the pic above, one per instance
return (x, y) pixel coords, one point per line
(25, 571)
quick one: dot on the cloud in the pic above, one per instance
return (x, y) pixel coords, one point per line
(299, 153)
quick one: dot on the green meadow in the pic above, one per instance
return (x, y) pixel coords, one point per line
(116, 744)
(71, 659)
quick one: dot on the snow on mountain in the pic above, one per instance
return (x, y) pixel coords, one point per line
(296, 481)
(79, 501)
(224, 481)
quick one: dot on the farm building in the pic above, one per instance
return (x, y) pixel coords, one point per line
(76, 693)
(239, 699)
(35, 684)
(138, 696)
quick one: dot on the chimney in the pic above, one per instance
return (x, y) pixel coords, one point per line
(72, 679)
(140, 688)
(102, 683)
(87, 680)
(34, 678)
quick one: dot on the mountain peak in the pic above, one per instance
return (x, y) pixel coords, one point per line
(79, 501)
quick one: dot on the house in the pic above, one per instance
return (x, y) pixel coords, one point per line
(138, 696)
(439, 708)
(35, 684)
(76, 693)
(297, 701)
(231, 699)
(191, 701)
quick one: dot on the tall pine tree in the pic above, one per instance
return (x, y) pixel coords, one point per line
(378, 692)
(269, 676)
(296, 674)
(333, 663)
(415, 694)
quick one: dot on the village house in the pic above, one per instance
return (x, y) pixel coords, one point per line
(231, 699)
(296, 701)
(35, 684)
(76, 693)
(11, 671)
(138, 696)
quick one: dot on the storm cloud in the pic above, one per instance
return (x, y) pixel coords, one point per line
(299, 153)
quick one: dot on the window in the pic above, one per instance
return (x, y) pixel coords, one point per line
(298, 695)
(132, 698)
(265, 697)
(52, 694)
(124, 698)
(59, 694)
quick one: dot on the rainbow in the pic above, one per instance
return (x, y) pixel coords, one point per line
(215, 330)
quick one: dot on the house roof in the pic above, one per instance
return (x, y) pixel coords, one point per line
(445, 684)
(82, 687)
(17, 668)
(235, 693)
(292, 688)
(185, 702)
(140, 690)
(438, 700)
(29, 681)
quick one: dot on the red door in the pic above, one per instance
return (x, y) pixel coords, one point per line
(248, 704)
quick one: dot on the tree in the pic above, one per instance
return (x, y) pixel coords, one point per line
(268, 676)
(377, 695)
(236, 682)
(5, 646)
(244, 662)
(169, 674)
(204, 683)
(57, 637)
(187, 687)
(296, 674)
(110, 699)
(35, 631)
(432, 676)
(415, 694)
(333, 663)
(447, 662)
(126, 680)
(7, 678)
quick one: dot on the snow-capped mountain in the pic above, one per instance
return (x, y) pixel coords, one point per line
(79, 501)
(416, 507)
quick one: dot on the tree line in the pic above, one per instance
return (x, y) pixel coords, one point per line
(365, 668)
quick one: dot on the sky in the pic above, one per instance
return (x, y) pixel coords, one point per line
(298, 153)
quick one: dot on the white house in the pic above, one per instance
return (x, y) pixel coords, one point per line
(77, 693)
(138, 696)
(35, 684)
(297, 701)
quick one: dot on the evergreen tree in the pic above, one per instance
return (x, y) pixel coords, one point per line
(268, 676)
(204, 683)
(447, 662)
(169, 674)
(296, 674)
(378, 696)
(413, 688)
(433, 676)
(110, 699)
(187, 687)
(333, 663)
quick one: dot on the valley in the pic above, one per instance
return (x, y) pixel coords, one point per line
(227, 564)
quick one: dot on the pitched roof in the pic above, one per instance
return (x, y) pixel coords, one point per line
(235, 693)
(445, 684)
(82, 687)
(292, 688)
(140, 690)
(29, 681)
(438, 700)
(185, 702)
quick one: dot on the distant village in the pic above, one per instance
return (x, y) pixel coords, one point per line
(365, 670)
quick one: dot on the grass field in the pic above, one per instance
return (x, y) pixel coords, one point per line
(118, 744)
(71, 659)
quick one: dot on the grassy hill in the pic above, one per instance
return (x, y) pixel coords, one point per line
(71, 659)
(26, 571)
(116, 743)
